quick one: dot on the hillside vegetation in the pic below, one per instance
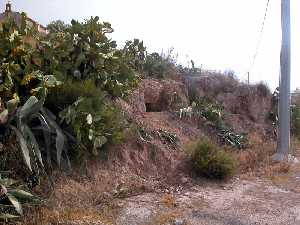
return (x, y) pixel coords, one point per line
(74, 96)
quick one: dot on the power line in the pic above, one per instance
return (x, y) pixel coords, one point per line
(260, 36)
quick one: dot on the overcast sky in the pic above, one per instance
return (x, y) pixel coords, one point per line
(216, 33)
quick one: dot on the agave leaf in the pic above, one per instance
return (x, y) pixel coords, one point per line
(12, 105)
(24, 196)
(7, 182)
(34, 145)
(24, 148)
(6, 216)
(60, 137)
(47, 137)
(2, 206)
(14, 201)
(60, 142)
(49, 113)
(4, 116)
(31, 106)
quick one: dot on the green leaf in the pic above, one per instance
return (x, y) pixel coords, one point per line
(4, 116)
(24, 148)
(6, 216)
(60, 137)
(98, 143)
(12, 105)
(29, 107)
(24, 196)
(34, 145)
(7, 182)
(51, 81)
(14, 201)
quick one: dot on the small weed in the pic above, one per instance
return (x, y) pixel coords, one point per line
(169, 201)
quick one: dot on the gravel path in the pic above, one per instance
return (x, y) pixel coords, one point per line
(240, 203)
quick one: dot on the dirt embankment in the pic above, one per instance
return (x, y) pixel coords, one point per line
(151, 161)
(154, 106)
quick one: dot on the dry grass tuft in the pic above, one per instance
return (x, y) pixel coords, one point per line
(257, 156)
(165, 218)
(169, 201)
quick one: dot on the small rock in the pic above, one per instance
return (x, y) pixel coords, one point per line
(106, 195)
(184, 180)
(179, 222)
(292, 159)
(115, 192)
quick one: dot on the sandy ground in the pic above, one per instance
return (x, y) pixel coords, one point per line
(242, 202)
(252, 201)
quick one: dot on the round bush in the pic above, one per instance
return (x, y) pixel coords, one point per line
(211, 161)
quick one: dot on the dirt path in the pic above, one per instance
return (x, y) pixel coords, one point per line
(240, 203)
(247, 201)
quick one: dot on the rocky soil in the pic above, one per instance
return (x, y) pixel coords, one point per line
(240, 201)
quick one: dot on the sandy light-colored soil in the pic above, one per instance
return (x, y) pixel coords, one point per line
(240, 201)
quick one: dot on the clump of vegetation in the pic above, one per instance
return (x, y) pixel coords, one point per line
(213, 112)
(82, 51)
(12, 196)
(135, 53)
(211, 161)
(263, 89)
(94, 122)
(206, 108)
(159, 65)
(167, 137)
(295, 121)
(86, 71)
(24, 88)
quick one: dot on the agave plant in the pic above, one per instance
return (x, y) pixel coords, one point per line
(30, 119)
(12, 196)
(229, 137)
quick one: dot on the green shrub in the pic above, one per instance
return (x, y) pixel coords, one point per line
(71, 90)
(263, 89)
(295, 121)
(134, 52)
(93, 121)
(159, 66)
(209, 110)
(83, 50)
(210, 161)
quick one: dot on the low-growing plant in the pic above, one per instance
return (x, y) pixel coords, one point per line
(213, 112)
(295, 120)
(12, 196)
(167, 137)
(211, 161)
(69, 92)
(209, 110)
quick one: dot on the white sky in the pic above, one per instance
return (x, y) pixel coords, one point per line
(216, 33)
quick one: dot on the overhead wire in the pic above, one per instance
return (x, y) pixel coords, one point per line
(260, 36)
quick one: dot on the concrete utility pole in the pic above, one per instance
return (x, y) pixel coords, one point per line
(248, 78)
(283, 143)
